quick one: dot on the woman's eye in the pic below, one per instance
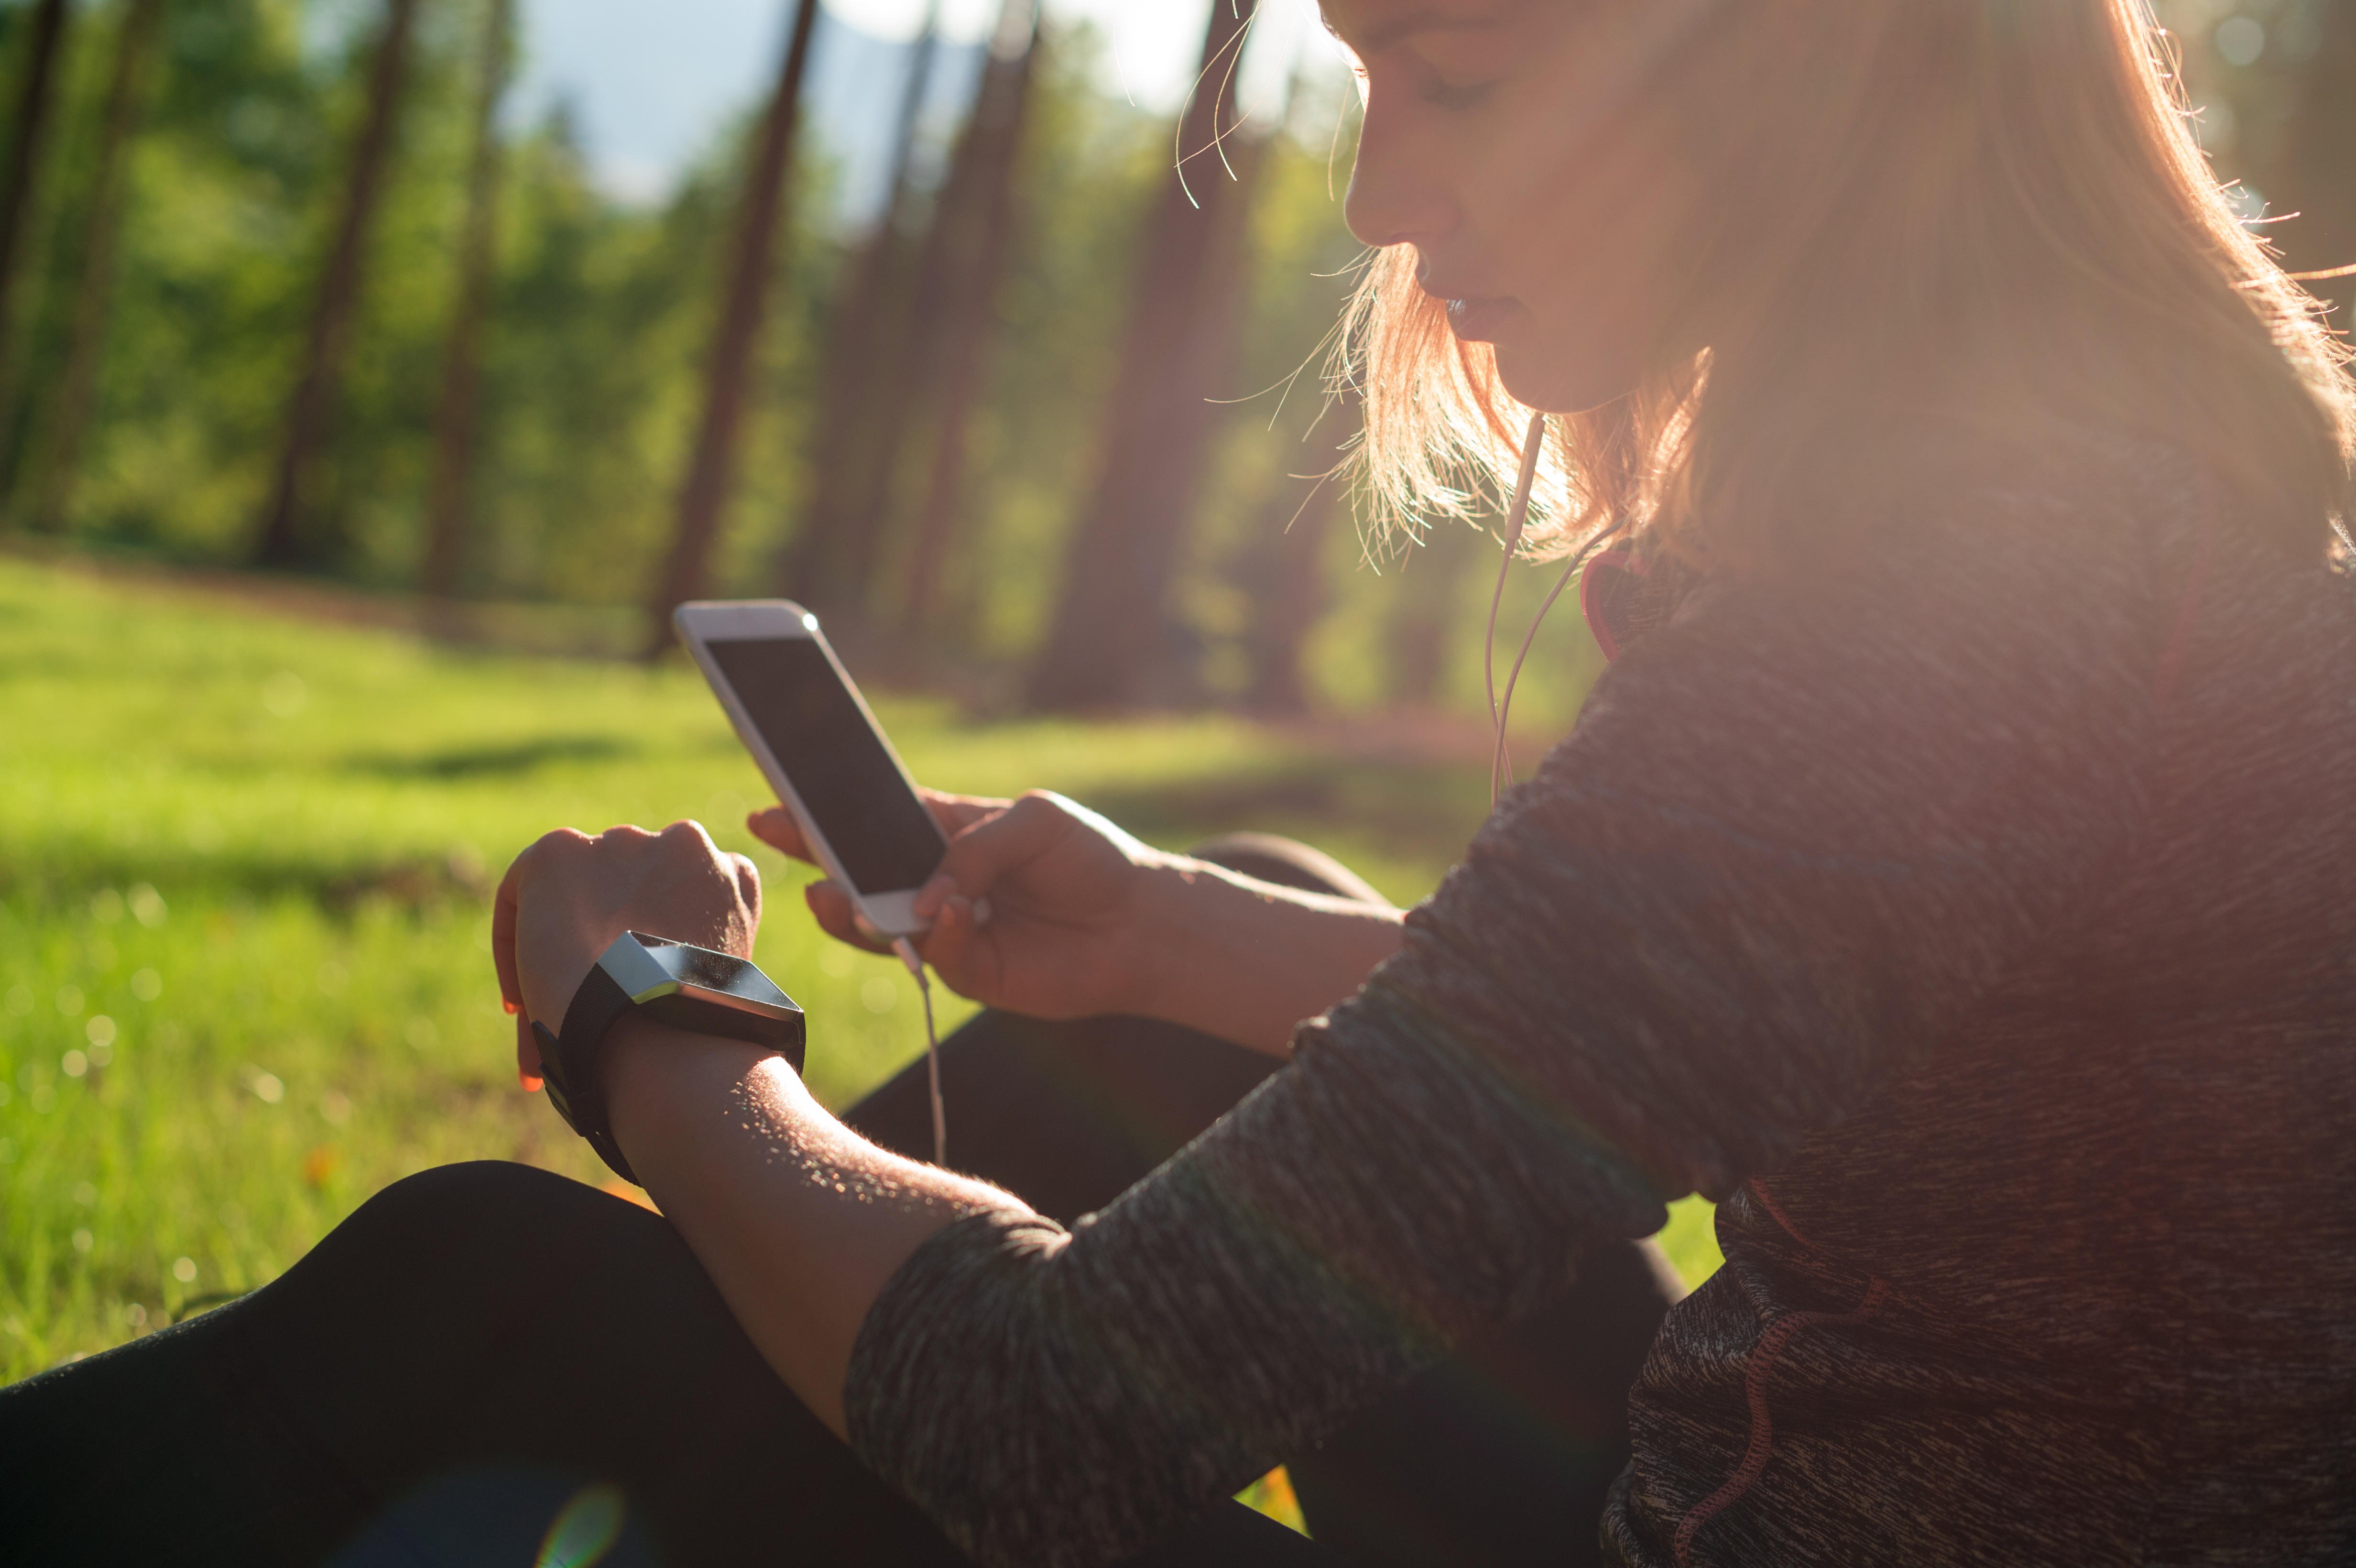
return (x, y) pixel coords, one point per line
(1441, 95)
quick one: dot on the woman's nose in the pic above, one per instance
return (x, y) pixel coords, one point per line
(1398, 194)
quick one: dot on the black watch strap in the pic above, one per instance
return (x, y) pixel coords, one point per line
(695, 988)
(568, 1062)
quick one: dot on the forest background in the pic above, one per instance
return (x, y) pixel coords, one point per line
(178, 218)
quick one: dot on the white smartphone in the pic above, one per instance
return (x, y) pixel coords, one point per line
(815, 740)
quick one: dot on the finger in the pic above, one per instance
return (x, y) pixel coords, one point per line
(938, 945)
(948, 945)
(832, 906)
(748, 888)
(503, 937)
(837, 916)
(955, 813)
(776, 827)
(507, 907)
(528, 1073)
(991, 847)
(687, 840)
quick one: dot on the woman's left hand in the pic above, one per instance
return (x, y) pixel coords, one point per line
(565, 899)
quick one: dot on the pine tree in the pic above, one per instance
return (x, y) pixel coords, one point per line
(966, 251)
(456, 414)
(872, 333)
(286, 536)
(28, 138)
(710, 471)
(1109, 640)
(1288, 588)
(60, 461)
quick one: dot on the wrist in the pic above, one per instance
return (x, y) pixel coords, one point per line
(550, 974)
(1168, 958)
(674, 1096)
(632, 1052)
(649, 990)
(1246, 961)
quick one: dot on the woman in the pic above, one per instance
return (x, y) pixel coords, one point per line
(1951, 876)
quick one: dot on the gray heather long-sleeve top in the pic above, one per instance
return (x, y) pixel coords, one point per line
(1973, 915)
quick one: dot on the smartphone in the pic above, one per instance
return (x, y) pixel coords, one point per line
(815, 740)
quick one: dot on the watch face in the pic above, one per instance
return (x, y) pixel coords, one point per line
(649, 967)
(702, 967)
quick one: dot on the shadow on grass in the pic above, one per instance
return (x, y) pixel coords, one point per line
(1429, 812)
(491, 762)
(66, 874)
(1423, 813)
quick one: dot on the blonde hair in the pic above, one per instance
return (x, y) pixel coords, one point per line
(1991, 216)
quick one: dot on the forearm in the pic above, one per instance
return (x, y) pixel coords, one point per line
(1384, 1196)
(798, 1220)
(1246, 960)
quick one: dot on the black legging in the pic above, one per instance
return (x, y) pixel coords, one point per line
(478, 1344)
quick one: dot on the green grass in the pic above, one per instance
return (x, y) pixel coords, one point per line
(244, 863)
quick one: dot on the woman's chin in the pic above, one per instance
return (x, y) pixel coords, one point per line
(1559, 383)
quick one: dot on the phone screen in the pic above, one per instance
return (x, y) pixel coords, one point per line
(877, 828)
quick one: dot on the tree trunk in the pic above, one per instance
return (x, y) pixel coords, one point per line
(28, 136)
(1289, 591)
(973, 228)
(1425, 615)
(455, 416)
(60, 463)
(1109, 640)
(711, 470)
(285, 537)
(832, 557)
(2314, 174)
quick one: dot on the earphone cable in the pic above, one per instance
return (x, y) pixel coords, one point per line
(916, 964)
(1517, 517)
(1501, 761)
(1569, 571)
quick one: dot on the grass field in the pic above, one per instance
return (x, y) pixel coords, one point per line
(245, 869)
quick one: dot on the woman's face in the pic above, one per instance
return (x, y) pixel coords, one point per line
(1525, 149)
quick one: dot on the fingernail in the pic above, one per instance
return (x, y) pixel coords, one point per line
(509, 1006)
(530, 1084)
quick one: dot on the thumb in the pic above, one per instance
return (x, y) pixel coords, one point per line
(528, 1073)
(776, 827)
(985, 851)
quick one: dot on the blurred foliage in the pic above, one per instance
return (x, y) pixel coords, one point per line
(2273, 84)
(601, 315)
(603, 312)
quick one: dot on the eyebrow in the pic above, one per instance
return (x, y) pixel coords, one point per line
(1381, 39)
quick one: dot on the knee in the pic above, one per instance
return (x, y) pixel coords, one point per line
(461, 1234)
(1287, 862)
(472, 1189)
(497, 1208)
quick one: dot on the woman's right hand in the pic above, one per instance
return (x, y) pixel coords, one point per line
(1068, 896)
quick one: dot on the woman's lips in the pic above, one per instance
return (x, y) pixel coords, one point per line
(1483, 320)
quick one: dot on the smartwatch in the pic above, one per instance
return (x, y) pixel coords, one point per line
(692, 988)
